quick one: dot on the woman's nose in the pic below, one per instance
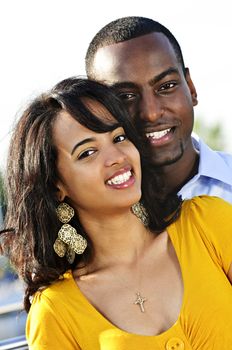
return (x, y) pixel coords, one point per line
(114, 156)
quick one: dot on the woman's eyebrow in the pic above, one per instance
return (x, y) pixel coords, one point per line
(92, 139)
(89, 139)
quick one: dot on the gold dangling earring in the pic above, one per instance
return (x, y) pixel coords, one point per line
(140, 211)
(69, 241)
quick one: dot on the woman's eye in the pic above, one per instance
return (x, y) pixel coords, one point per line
(86, 153)
(120, 138)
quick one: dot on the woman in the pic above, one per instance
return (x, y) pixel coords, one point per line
(101, 271)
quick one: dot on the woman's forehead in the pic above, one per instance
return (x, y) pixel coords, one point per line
(67, 131)
(97, 109)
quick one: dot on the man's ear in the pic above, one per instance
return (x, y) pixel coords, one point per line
(60, 193)
(191, 87)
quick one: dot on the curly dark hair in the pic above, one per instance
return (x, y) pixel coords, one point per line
(31, 223)
(127, 28)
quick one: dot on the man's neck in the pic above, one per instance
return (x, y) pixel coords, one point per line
(178, 174)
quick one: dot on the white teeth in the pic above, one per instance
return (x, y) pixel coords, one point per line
(117, 180)
(158, 134)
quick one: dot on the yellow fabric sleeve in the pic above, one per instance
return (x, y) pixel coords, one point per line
(46, 329)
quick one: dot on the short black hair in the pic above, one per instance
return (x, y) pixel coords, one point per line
(127, 28)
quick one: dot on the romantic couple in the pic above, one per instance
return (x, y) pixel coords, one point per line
(118, 219)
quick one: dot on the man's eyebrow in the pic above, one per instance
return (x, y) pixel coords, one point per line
(157, 78)
(124, 84)
(89, 139)
(163, 74)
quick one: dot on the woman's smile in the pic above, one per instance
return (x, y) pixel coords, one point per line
(121, 179)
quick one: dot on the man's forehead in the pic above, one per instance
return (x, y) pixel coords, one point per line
(155, 40)
(125, 59)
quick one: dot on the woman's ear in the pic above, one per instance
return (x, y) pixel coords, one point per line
(60, 193)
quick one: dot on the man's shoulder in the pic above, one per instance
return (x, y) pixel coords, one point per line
(215, 156)
(226, 156)
(214, 176)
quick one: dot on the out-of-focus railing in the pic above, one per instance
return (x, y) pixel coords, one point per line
(12, 326)
(17, 343)
(4, 309)
(12, 316)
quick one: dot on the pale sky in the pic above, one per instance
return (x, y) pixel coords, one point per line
(44, 41)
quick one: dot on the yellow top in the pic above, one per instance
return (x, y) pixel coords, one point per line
(62, 318)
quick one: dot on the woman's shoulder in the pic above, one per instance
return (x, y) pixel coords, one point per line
(206, 221)
(201, 205)
(49, 322)
(206, 217)
(57, 290)
(207, 213)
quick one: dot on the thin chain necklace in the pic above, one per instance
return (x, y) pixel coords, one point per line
(139, 300)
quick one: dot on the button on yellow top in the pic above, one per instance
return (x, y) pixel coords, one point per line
(175, 344)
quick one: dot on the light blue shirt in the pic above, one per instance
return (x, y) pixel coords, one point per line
(214, 177)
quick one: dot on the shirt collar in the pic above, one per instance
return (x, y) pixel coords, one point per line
(211, 163)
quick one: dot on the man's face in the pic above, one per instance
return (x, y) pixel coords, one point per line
(149, 79)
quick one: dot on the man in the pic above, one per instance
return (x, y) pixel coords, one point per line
(143, 62)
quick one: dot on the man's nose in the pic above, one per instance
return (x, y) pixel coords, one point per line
(114, 156)
(151, 108)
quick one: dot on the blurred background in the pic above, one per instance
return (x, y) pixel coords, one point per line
(44, 41)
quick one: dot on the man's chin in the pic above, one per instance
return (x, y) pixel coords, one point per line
(169, 159)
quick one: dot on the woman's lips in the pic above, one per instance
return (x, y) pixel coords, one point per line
(121, 179)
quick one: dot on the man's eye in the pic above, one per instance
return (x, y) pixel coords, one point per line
(126, 96)
(86, 153)
(120, 138)
(167, 86)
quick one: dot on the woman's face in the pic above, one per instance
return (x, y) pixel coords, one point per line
(99, 172)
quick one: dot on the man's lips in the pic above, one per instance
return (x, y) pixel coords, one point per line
(158, 134)
(161, 136)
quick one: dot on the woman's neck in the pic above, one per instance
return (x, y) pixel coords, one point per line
(116, 239)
